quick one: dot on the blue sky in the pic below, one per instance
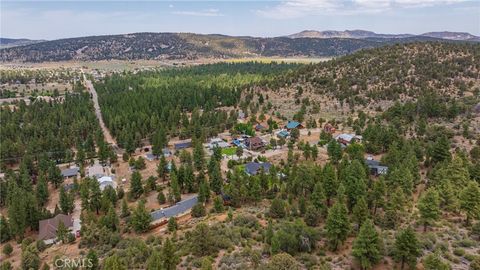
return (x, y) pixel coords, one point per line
(62, 19)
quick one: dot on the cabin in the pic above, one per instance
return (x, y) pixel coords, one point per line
(253, 168)
(293, 124)
(70, 172)
(347, 139)
(259, 127)
(375, 167)
(217, 142)
(96, 171)
(254, 143)
(179, 208)
(283, 134)
(329, 128)
(182, 145)
(48, 227)
(106, 181)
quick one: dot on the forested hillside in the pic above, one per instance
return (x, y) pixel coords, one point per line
(57, 130)
(182, 46)
(180, 102)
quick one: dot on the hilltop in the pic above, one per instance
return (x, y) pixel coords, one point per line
(161, 46)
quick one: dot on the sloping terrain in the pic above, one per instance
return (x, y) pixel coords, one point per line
(189, 46)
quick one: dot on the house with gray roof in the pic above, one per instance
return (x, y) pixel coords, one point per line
(70, 172)
(253, 168)
(375, 167)
(174, 210)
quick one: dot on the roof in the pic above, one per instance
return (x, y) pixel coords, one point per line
(371, 162)
(252, 168)
(150, 156)
(292, 124)
(48, 227)
(183, 145)
(259, 126)
(175, 210)
(70, 172)
(96, 171)
(283, 133)
(106, 181)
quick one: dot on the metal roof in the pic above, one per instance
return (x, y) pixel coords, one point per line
(175, 210)
(70, 172)
(252, 168)
(292, 124)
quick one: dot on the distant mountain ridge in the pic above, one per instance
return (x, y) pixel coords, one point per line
(13, 42)
(362, 34)
(188, 46)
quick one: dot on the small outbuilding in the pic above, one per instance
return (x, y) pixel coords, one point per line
(376, 168)
(293, 124)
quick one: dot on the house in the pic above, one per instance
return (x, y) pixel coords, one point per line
(183, 145)
(150, 157)
(254, 143)
(70, 172)
(106, 181)
(283, 134)
(329, 128)
(166, 152)
(347, 139)
(259, 127)
(293, 124)
(48, 227)
(239, 142)
(179, 208)
(252, 168)
(217, 142)
(375, 167)
(96, 171)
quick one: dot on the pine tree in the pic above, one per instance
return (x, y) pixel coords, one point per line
(95, 200)
(216, 181)
(366, 247)
(113, 263)
(355, 183)
(334, 151)
(110, 220)
(440, 150)
(5, 233)
(218, 204)
(172, 224)
(406, 248)
(66, 202)
(429, 207)
(318, 198)
(470, 201)
(125, 209)
(17, 213)
(62, 232)
(55, 175)
(198, 156)
(175, 187)
(42, 190)
(170, 259)
(337, 225)
(30, 258)
(140, 218)
(360, 212)
(162, 168)
(136, 187)
(433, 262)
(92, 260)
(154, 262)
(377, 196)
(159, 141)
(330, 183)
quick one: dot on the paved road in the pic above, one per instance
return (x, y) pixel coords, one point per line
(98, 112)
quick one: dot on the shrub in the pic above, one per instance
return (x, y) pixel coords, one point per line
(7, 249)
(198, 210)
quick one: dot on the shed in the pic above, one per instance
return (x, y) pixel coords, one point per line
(183, 145)
(293, 124)
(70, 172)
(376, 168)
(283, 134)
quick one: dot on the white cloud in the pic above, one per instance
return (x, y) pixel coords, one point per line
(211, 12)
(287, 9)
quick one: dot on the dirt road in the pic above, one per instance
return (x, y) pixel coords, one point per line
(98, 112)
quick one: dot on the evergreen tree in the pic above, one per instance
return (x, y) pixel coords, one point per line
(337, 225)
(92, 260)
(172, 224)
(140, 220)
(218, 204)
(175, 187)
(5, 233)
(470, 201)
(95, 195)
(17, 212)
(366, 247)
(66, 202)
(312, 216)
(330, 183)
(433, 262)
(198, 156)
(162, 168)
(216, 181)
(360, 212)
(113, 263)
(154, 262)
(170, 259)
(355, 183)
(440, 150)
(334, 151)
(42, 190)
(136, 187)
(277, 208)
(30, 258)
(125, 209)
(55, 175)
(159, 141)
(110, 220)
(406, 248)
(318, 197)
(429, 207)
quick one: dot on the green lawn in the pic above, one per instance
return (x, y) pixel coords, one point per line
(229, 151)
